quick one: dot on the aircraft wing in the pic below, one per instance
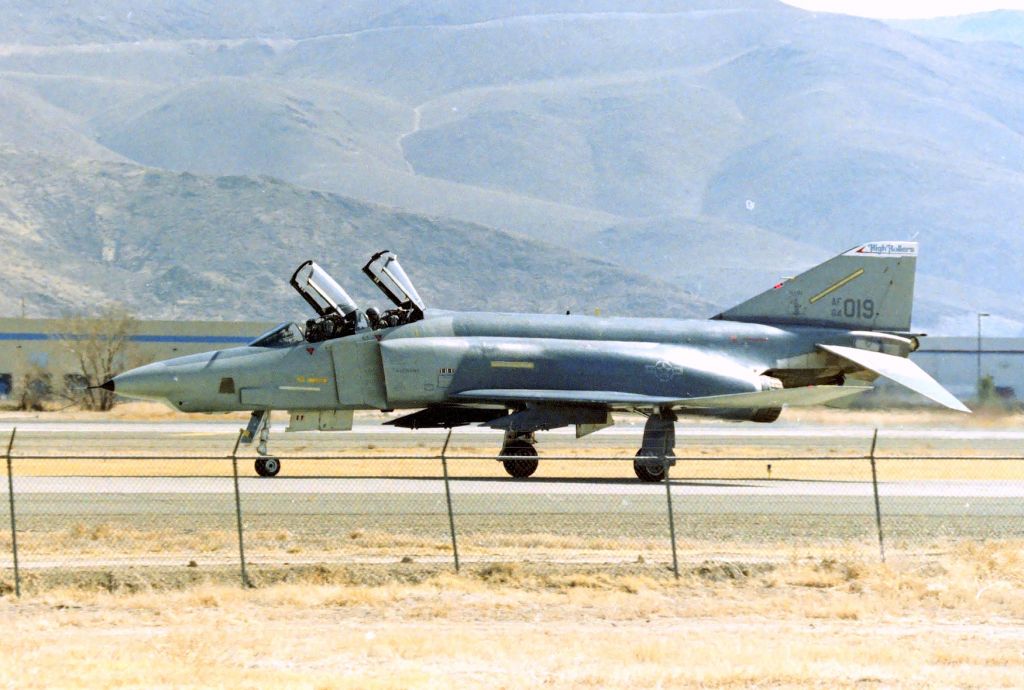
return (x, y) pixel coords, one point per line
(900, 370)
(568, 397)
(807, 395)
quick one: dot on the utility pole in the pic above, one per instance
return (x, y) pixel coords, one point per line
(977, 380)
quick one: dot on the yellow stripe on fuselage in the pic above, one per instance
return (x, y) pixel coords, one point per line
(835, 286)
(497, 364)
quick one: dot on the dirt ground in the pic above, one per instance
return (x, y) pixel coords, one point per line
(834, 619)
(743, 614)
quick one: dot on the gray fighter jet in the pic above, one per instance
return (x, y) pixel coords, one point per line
(814, 339)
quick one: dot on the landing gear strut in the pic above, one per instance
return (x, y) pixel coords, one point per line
(521, 445)
(653, 458)
(259, 425)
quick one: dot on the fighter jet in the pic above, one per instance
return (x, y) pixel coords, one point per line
(815, 339)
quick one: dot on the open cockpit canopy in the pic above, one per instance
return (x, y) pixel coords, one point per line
(388, 275)
(337, 313)
(321, 291)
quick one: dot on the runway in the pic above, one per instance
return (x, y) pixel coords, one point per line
(621, 431)
(84, 486)
(830, 497)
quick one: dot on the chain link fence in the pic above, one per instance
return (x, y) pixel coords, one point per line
(99, 510)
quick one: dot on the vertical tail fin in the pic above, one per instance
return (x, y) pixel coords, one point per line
(870, 287)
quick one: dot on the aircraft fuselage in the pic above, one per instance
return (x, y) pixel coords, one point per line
(438, 359)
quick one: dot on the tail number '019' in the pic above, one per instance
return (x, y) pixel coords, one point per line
(853, 308)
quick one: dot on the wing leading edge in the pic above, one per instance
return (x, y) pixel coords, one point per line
(807, 395)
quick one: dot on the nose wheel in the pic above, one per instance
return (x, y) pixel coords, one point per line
(267, 466)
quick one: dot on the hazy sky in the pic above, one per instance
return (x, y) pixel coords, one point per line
(906, 9)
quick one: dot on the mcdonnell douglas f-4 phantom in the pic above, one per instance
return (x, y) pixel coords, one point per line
(814, 339)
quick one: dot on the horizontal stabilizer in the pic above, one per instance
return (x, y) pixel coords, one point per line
(900, 370)
(778, 397)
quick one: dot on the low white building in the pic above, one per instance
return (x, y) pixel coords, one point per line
(33, 345)
(957, 363)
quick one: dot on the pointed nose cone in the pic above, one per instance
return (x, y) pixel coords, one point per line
(151, 382)
(107, 386)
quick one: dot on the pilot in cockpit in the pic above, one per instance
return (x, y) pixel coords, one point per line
(337, 313)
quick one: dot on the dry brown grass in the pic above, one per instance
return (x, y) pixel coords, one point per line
(831, 619)
(88, 543)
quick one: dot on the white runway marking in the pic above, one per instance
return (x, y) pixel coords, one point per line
(100, 486)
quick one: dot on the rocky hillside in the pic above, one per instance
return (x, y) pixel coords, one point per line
(714, 145)
(177, 245)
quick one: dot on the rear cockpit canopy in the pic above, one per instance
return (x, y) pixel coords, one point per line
(387, 274)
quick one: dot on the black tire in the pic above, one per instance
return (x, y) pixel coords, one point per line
(649, 469)
(524, 466)
(267, 466)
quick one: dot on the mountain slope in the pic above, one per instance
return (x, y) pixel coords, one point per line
(751, 123)
(1001, 25)
(170, 245)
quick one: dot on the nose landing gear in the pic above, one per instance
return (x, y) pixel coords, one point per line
(267, 466)
(259, 425)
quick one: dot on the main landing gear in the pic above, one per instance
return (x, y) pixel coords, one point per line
(259, 425)
(520, 445)
(656, 454)
(658, 450)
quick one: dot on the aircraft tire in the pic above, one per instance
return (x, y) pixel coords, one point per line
(521, 467)
(267, 466)
(649, 469)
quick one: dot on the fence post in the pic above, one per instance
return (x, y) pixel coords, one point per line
(14, 524)
(671, 518)
(878, 505)
(238, 510)
(448, 498)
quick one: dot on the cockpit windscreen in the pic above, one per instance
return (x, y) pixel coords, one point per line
(284, 335)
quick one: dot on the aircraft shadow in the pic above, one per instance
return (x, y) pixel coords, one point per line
(589, 481)
(594, 481)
